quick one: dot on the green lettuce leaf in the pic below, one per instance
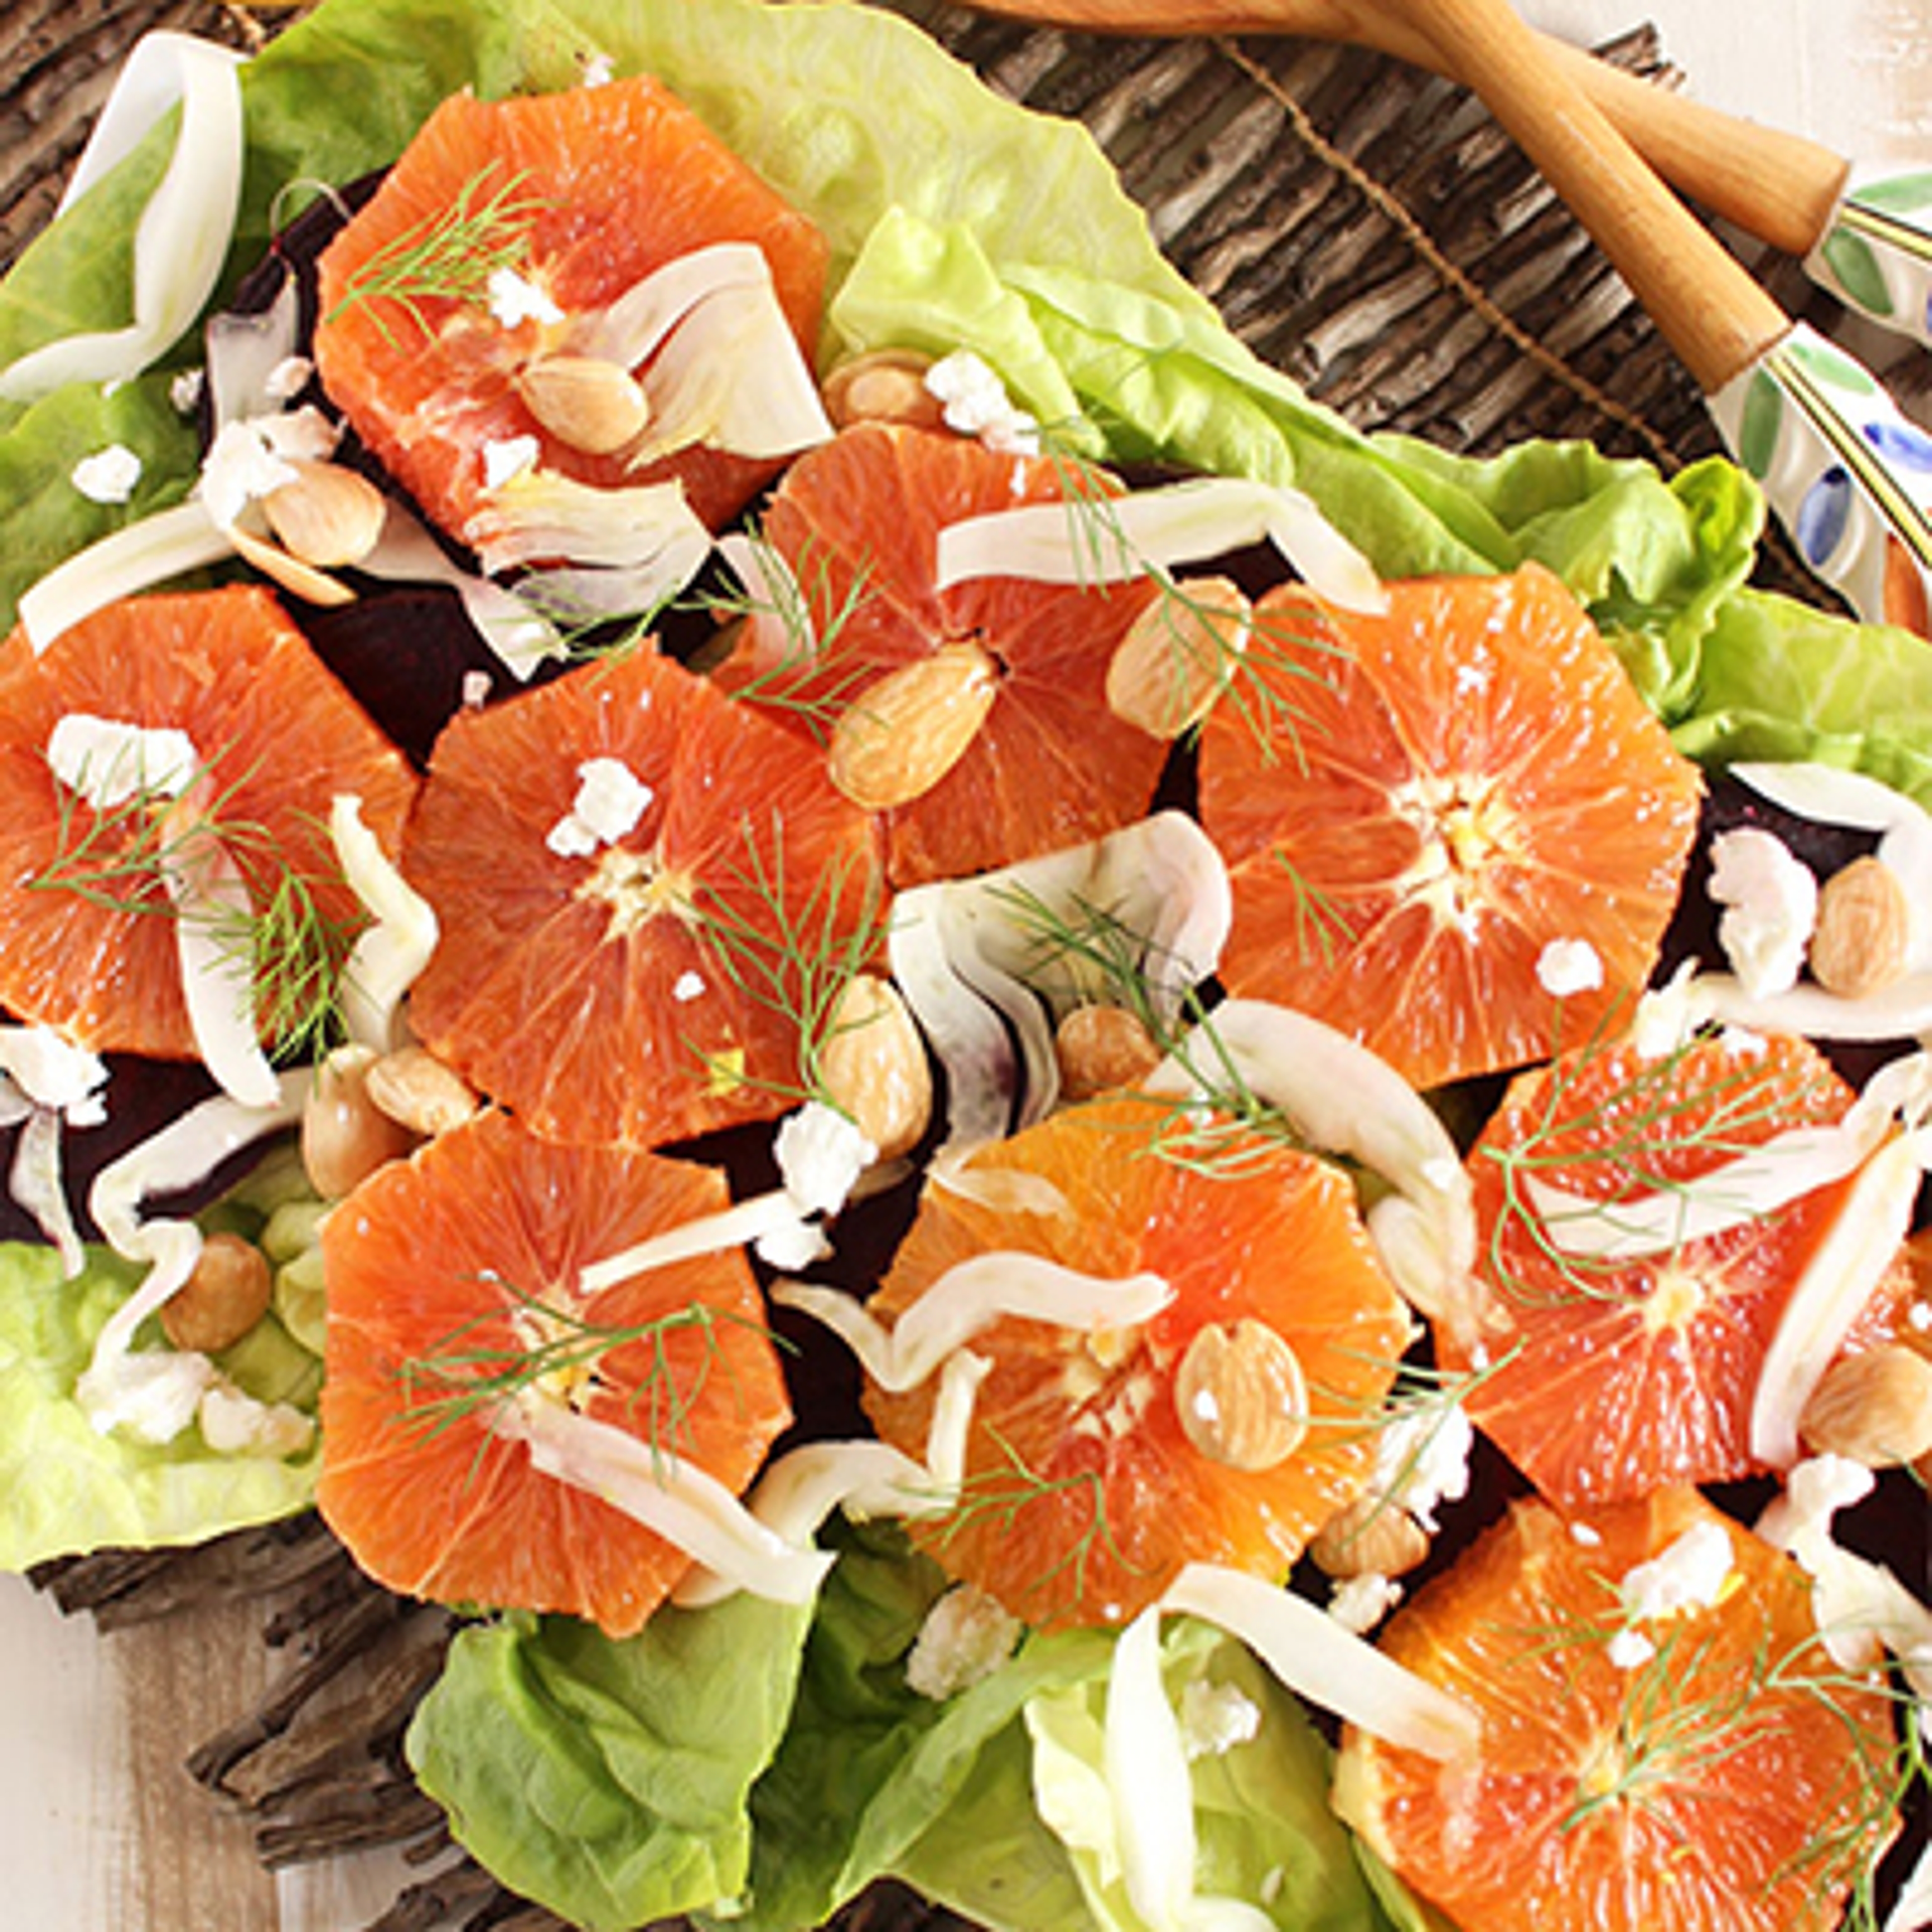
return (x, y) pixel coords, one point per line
(64, 1487)
(604, 1779)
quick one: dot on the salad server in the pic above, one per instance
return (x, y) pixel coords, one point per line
(1846, 471)
(1864, 233)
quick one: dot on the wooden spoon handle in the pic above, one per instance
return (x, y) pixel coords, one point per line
(1706, 304)
(1779, 186)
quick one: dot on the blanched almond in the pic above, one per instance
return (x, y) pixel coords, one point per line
(1240, 1395)
(227, 1293)
(874, 1066)
(328, 516)
(417, 1090)
(593, 405)
(883, 385)
(901, 735)
(345, 1136)
(1874, 1407)
(301, 580)
(1860, 943)
(1173, 662)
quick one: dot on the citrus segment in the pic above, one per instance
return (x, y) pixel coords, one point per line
(655, 984)
(1414, 806)
(581, 194)
(1089, 1477)
(272, 739)
(452, 1286)
(1712, 1769)
(1616, 1375)
(857, 521)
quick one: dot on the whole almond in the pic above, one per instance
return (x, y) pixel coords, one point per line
(1860, 943)
(1173, 662)
(329, 516)
(1240, 1395)
(1371, 1536)
(345, 1136)
(874, 1066)
(883, 385)
(593, 405)
(901, 735)
(1103, 1049)
(1874, 1408)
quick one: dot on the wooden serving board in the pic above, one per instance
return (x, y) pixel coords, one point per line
(1364, 227)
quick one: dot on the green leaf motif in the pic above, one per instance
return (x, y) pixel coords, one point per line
(1828, 366)
(1762, 424)
(1896, 194)
(1853, 260)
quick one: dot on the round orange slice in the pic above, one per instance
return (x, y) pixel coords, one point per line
(1413, 806)
(454, 1295)
(1713, 1768)
(1089, 1478)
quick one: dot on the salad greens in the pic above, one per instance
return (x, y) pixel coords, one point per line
(69, 1487)
(748, 1759)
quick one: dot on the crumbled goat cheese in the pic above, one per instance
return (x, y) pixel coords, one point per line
(1566, 967)
(1215, 1717)
(515, 298)
(1630, 1650)
(1690, 1575)
(507, 457)
(232, 1423)
(477, 686)
(821, 1154)
(185, 389)
(1770, 898)
(1358, 1603)
(792, 1245)
(54, 1073)
(687, 987)
(1422, 1459)
(599, 70)
(974, 402)
(109, 476)
(288, 379)
(1581, 1532)
(610, 800)
(965, 1638)
(108, 761)
(251, 458)
(152, 1396)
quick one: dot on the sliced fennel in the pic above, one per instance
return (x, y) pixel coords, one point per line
(967, 1299)
(386, 958)
(183, 234)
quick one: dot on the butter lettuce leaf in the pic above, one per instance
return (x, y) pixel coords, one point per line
(64, 1487)
(608, 1779)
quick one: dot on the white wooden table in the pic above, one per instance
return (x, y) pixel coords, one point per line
(96, 1836)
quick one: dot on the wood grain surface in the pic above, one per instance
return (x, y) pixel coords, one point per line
(101, 1827)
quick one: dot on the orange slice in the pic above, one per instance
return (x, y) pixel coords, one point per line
(1617, 1376)
(1712, 1770)
(858, 522)
(1084, 1491)
(460, 1266)
(593, 189)
(1413, 806)
(655, 986)
(90, 935)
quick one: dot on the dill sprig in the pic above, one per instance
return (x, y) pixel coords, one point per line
(120, 858)
(813, 680)
(449, 255)
(793, 953)
(562, 1350)
(992, 1502)
(1628, 1144)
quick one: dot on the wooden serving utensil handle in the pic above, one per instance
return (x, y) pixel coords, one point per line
(1704, 301)
(1779, 186)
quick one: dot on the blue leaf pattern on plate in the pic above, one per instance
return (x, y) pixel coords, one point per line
(1823, 515)
(1901, 443)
